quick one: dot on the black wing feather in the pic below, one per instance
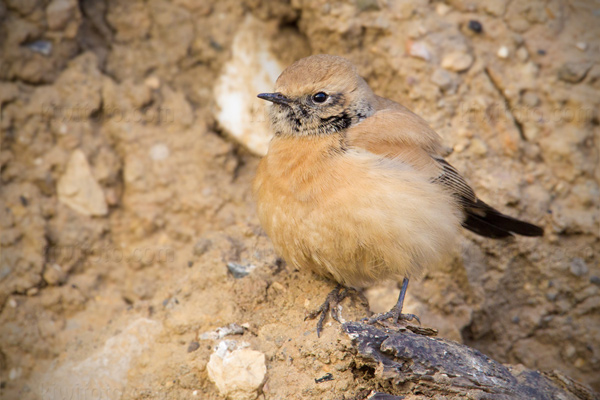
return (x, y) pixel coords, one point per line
(479, 217)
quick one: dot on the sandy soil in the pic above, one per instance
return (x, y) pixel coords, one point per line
(106, 292)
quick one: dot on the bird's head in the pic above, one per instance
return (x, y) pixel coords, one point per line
(319, 95)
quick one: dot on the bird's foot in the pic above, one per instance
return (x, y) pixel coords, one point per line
(395, 314)
(331, 305)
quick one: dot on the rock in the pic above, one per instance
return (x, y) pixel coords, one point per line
(252, 69)
(442, 78)
(238, 374)
(43, 47)
(220, 333)
(457, 61)
(238, 270)
(442, 9)
(54, 274)
(531, 99)
(475, 26)
(193, 346)
(582, 46)
(522, 54)
(159, 152)
(573, 72)
(78, 189)
(578, 267)
(503, 52)
(153, 82)
(104, 373)
(419, 50)
(59, 12)
(78, 89)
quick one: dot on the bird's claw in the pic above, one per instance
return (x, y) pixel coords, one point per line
(331, 303)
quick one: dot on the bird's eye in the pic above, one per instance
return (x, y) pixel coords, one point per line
(320, 97)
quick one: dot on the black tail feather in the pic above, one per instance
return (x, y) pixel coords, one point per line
(486, 221)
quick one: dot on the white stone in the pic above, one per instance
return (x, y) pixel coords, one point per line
(419, 50)
(238, 374)
(582, 46)
(78, 189)
(503, 52)
(253, 69)
(457, 61)
(159, 152)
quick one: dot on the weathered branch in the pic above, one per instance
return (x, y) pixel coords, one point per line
(409, 363)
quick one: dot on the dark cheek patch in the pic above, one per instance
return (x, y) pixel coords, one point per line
(336, 123)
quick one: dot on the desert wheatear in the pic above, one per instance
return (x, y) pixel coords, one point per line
(355, 186)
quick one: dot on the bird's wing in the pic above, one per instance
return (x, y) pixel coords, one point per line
(397, 133)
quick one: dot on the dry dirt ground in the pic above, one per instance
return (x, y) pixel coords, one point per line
(123, 201)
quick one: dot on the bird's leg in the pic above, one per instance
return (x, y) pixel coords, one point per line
(333, 299)
(396, 312)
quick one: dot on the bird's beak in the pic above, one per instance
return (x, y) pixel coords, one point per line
(275, 98)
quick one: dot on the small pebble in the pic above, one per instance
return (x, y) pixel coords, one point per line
(570, 351)
(578, 267)
(442, 78)
(503, 52)
(220, 333)
(193, 347)
(541, 52)
(522, 54)
(152, 82)
(419, 50)
(43, 47)
(595, 280)
(12, 302)
(238, 270)
(15, 373)
(159, 152)
(475, 26)
(531, 99)
(573, 72)
(457, 61)
(54, 275)
(442, 9)
(582, 46)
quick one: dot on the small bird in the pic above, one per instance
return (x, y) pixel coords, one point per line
(355, 188)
